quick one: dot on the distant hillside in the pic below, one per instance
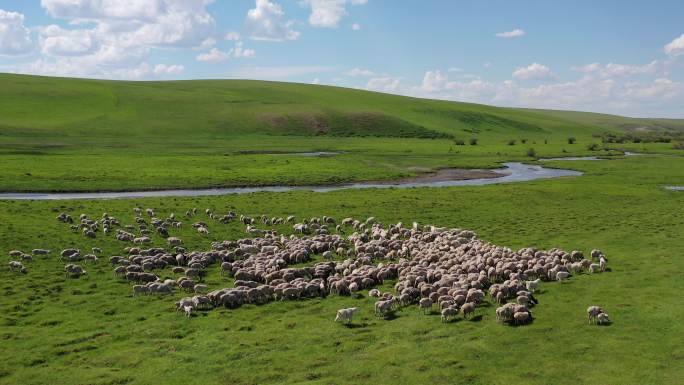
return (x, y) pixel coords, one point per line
(32, 105)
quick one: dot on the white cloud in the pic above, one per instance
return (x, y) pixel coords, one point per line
(233, 36)
(511, 34)
(676, 46)
(213, 56)
(265, 22)
(316, 81)
(360, 72)
(239, 52)
(615, 70)
(217, 56)
(142, 22)
(207, 43)
(455, 69)
(356, 27)
(15, 38)
(117, 36)
(328, 13)
(163, 69)
(534, 71)
(285, 72)
(385, 84)
(487, 64)
(57, 41)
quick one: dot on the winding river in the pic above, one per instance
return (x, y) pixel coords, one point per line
(512, 172)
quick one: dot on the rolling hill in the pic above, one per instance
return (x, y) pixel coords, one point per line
(37, 106)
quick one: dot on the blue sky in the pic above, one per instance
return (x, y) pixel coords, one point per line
(623, 57)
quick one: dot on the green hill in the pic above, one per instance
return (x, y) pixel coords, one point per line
(32, 105)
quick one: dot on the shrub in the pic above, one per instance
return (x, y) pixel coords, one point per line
(459, 142)
(511, 142)
(473, 141)
(593, 147)
(572, 140)
(531, 153)
(523, 141)
(546, 141)
(678, 145)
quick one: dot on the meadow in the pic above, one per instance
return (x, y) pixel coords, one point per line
(93, 330)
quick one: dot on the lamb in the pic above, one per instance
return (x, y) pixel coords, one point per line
(425, 304)
(468, 308)
(188, 310)
(374, 293)
(140, 289)
(602, 318)
(74, 270)
(594, 267)
(40, 252)
(521, 317)
(15, 266)
(141, 240)
(449, 313)
(602, 263)
(203, 230)
(16, 253)
(532, 285)
(562, 275)
(346, 315)
(593, 312)
(173, 241)
(383, 308)
(96, 250)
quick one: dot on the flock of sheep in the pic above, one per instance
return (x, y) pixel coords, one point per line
(450, 269)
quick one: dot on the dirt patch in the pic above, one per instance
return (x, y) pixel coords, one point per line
(445, 174)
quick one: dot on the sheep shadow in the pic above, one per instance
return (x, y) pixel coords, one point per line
(352, 325)
(476, 318)
(454, 320)
(390, 316)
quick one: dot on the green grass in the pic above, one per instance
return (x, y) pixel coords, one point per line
(94, 331)
(80, 135)
(59, 134)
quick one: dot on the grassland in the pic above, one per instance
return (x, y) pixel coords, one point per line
(83, 135)
(94, 331)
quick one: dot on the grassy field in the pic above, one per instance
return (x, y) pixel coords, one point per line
(94, 331)
(77, 135)
(83, 135)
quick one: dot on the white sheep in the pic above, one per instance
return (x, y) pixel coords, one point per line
(562, 275)
(346, 315)
(533, 285)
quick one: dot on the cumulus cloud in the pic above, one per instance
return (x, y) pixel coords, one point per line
(114, 38)
(534, 71)
(217, 56)
(57, 41)
(15, 38)
(213, 56)
(385, 84)
(266, 22)
(615, 70)
(163, 69)
(511, 34)
(328, 13)
(676, 46)
(360, 72)
(233, 36)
